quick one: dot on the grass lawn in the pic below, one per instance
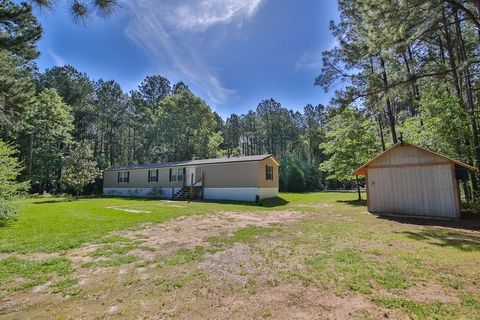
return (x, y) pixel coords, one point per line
(310, 254)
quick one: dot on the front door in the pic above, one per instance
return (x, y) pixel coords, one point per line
(188, 176)
(197, 175)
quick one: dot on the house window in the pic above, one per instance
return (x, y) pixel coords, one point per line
(124, 176)
(153, 175)
(176, 174)
(269, 172)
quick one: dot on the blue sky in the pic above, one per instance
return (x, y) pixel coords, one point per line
(231, 53)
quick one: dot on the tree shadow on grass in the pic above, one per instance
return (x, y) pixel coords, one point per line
(55, 201)
(444, 238)
(469, 222)
(267, 203)
(355, 203)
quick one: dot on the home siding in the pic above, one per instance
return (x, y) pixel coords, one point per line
(234, 175)
(268, 188)
(242, 181)
(139, 179)
(231, 175)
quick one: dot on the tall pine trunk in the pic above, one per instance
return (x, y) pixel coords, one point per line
(390, 115)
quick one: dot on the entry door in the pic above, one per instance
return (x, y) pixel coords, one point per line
(188, 176)
(197, 174)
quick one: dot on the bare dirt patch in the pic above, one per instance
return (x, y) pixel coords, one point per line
(192, 231)
(429, 292)
(286, 301)
(239, 264)
(150, 242)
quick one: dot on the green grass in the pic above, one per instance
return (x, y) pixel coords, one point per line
(64, 286)
(357, 271)
(20, 274)
(167, 285)
(55, 224)
(247, 234)
(111, 250)
(30, 269)
(336, 247)
(115, 261)
(184, 256)
(420, 311)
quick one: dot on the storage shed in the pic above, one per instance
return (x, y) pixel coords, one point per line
(407, 180)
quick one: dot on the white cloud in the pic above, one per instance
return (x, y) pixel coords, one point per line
(59, 61)
(201, 15)
(168, 31)
(312, 60)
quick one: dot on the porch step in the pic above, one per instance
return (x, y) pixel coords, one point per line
(184, 193)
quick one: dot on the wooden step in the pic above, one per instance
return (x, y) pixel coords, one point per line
(184, 193)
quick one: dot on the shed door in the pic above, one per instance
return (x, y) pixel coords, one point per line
(421, 190)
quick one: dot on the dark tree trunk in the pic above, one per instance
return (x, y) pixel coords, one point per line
(358, 189)
(470, 101)
(30, 158)
(380, 127)
(390, 115)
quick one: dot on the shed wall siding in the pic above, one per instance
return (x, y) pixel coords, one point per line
(407, 155)
(427, 191)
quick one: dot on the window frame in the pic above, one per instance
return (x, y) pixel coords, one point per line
(176, 174)
(152, 175)
(268, 175)
(123, 177)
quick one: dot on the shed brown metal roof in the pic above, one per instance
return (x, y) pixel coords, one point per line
(363, 169)
(195, 162)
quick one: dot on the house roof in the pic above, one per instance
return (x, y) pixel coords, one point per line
(362, 170)
(195, 162)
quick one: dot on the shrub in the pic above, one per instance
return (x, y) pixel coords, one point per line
(10, 189)
(295, 179)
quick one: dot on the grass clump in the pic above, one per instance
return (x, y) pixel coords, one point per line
(111, 250)
(420, 311)
(184, 256)
(31, 269)
(243, 235)
(168, 285)
(113, 262)
(65, 286)
(349, 267)
(20, 274)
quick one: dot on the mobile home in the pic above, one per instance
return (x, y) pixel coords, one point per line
(248, 178)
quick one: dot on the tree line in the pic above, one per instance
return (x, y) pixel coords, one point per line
(412, 68)
(408, 67)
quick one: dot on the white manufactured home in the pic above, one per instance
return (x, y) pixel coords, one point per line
(248, 178)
